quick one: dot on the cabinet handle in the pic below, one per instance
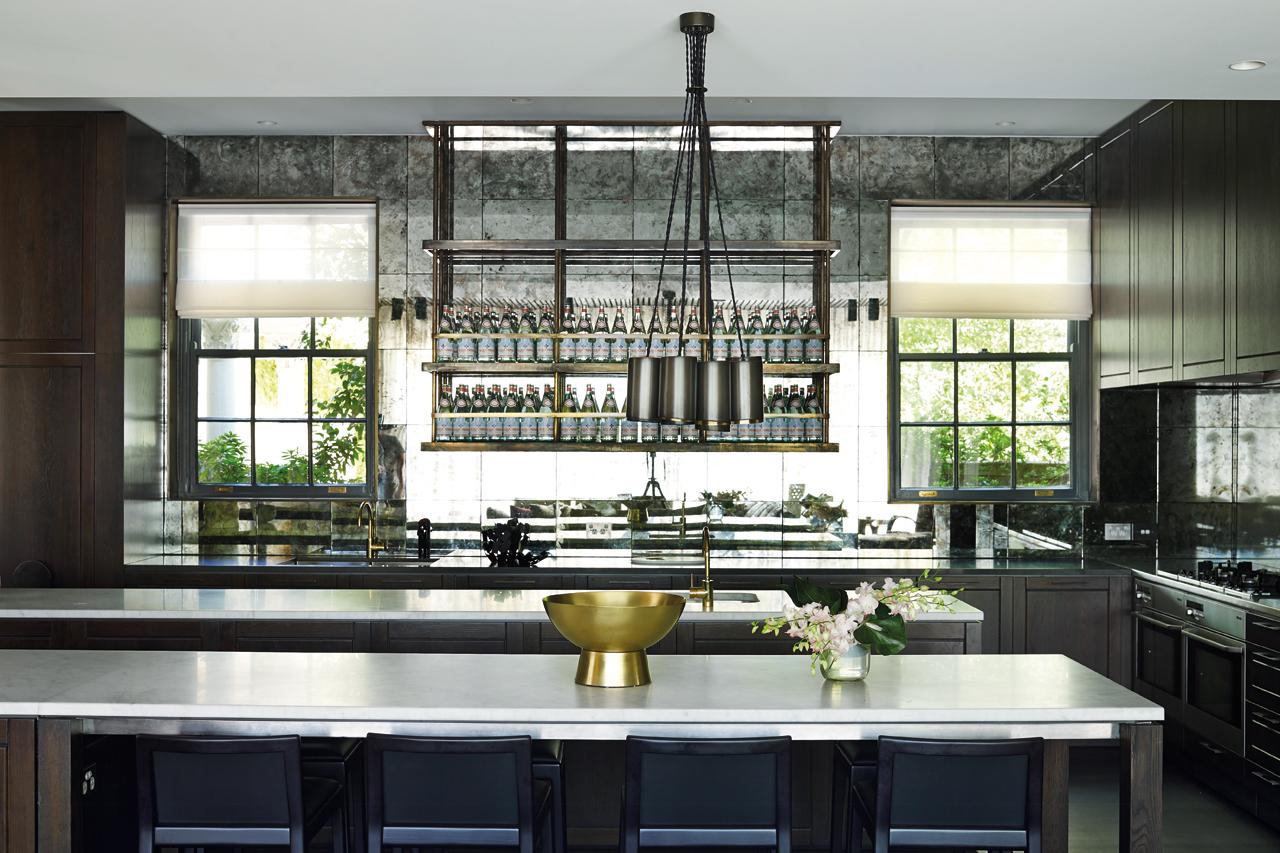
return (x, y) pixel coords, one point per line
(1259, 661)
(1211, 749)
(1257, 721)
(1266, 778)
(1266, 626)
(1212, 643)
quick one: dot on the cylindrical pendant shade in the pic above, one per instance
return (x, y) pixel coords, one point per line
(715, 393)
(747, 379)
(678, 393)
(644, 378)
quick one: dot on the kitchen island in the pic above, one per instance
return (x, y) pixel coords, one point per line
(51, 700)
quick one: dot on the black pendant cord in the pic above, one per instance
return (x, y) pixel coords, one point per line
(696, 91)
(724, 237)
(683, 149)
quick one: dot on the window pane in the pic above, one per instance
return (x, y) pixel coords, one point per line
(1044, 391)
(280, 453)
(986, 391)
(986, 457)
(222, 453)
(338, 452)
(927, 458)
(1040, 335)
(342, 333)
(926, 391)
(281, 390)
(924, 334)
(338, 387)
(1044, 456)
(982, 335)
(226, 333)
(284, 332)
(222, 388)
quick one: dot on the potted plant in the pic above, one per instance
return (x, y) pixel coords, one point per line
(840, 630)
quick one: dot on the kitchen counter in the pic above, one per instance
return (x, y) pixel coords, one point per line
(523, 605)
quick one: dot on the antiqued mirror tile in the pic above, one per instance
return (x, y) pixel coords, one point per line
(873, 238)
(845, 186)
(505, 219)
(972, 167)
(419, 228)
(222, 166)
(422, 172)
(393, 236)
(897, 167)
(518, 172)
(596, 172)
(295, 166)
(1033, 161)
(371, 166)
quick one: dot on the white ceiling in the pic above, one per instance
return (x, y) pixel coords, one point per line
(925, 66)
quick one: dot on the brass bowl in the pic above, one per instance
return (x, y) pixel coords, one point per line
(613, 628)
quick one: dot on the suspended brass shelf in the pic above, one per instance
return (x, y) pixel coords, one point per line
(613, 251)
(594, 368)
(630, 446)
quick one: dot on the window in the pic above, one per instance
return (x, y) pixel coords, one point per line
(991, 407)
(270, 402)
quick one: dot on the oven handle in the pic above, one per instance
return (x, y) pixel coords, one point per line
(1192, 634)
(1265, 625)
(1159, 623)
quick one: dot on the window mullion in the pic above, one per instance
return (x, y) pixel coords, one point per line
(955, 406)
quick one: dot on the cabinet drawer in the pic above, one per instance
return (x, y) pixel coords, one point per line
(1262, 739)
(1265, 785)
(1263, 679)
(1218, 761)
(633, 582)
(1261, 631)
(515, 582)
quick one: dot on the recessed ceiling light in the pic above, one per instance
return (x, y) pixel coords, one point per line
(266, 122)
(522, 100)
(1247, 65)
(1005, 123)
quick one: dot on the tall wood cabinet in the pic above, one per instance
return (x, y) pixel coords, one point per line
(81, 214)
(1188, 264)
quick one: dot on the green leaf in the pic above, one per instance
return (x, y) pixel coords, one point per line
(890, 639)
(804, 591)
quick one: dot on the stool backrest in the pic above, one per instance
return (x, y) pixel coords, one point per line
(708, 787)
(946, 793)
(196, 791)
(449, 791)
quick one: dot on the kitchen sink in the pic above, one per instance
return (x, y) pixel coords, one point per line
(350, 559)
(742, 597)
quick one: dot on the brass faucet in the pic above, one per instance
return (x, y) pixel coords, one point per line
(370, 548)
(707, 591)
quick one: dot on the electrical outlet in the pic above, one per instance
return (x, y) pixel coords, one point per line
(1117, 532)
(599, 529)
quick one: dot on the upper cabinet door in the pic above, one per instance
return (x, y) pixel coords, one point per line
(1154, 211)
(1115, 268)
(45, 276)
(1204, 165)
(1257, 235)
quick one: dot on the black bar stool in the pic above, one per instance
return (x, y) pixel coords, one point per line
(453, 792)
(213, 791)
(340, 759)
(854, 762)
(707, 793)
(947, 793)
(548, 766)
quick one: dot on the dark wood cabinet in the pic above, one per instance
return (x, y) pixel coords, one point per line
(1086, 618)
(81, 214)
(1114, 256)
(1153, 211)
(18, 785)
(1257, 223)
(1204, 321)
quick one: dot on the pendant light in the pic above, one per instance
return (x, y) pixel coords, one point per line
(679, 388)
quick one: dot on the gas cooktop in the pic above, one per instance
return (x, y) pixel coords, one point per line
(1229, 577)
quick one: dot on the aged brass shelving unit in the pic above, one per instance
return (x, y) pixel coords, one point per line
(560, 255)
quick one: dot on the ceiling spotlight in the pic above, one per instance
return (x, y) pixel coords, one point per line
(266, 122)
(522, 100)
(1005, 123)
(1247, 65)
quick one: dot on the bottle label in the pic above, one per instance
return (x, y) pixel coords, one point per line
(629, 430)
(795, 429)
(510, 427)
(777, 429)
(546, 429)
(506, 349)
(648, 432)
(719, 349)
(795, 351)
(813, 351)
(638, 346)
(776, 352)
(445, 349)
(735, 348)
(569, 429)
(485, 349)
(813, 429)
(466, 349)
(600, 349)
(444, 429)
(493, 428)
(528, 428)
(545, 350)
(618, 349)
(691, 348)
(524, 349)
(756, 348)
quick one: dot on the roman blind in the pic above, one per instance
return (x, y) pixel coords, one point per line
(1020, 262)
(277, 260)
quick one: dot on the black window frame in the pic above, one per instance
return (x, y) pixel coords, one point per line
(1077, 357)
(189, 355)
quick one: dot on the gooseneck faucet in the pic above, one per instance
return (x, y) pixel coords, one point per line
(707, 591)
(370, 547)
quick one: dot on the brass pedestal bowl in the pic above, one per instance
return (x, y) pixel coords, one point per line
(613, 628)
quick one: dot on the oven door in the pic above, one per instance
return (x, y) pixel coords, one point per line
(1214, 687)
(1158, 668)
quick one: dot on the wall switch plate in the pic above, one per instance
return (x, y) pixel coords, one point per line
(1117, 532)
(599, 529)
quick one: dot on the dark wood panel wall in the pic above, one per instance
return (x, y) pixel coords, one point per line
(81, 207)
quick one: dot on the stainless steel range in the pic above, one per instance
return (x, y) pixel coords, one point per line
(1228, 577)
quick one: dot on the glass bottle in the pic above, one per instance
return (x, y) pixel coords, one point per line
(638, 341)
(812, 406)
(524, 343)
(609, 426)
(775, 347)
(462, 406)
(618, 338)
(511, 413)
(506, 344)
(487, 345)
(692, 346)
(813, 346)
(569, 427)
(544, 350)
(778, 408)
(444, 425)
(600, 346)
(735, 345)
(546, 423)
(466, 348)
(590, 429)
(756, 346)
(568, 346)
(795, 406)
(630, 429)
(795, 346)
(446, 348)
(720, 339)
(493, 407)
(649, 432)
(528, 412)
(586, 346)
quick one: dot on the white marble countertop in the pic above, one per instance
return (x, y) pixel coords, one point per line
(355, 605)
(691, 695)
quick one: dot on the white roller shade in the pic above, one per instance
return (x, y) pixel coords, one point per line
(277, 260)
(997, 262)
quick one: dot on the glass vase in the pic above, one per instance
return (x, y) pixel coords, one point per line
(853, 665)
